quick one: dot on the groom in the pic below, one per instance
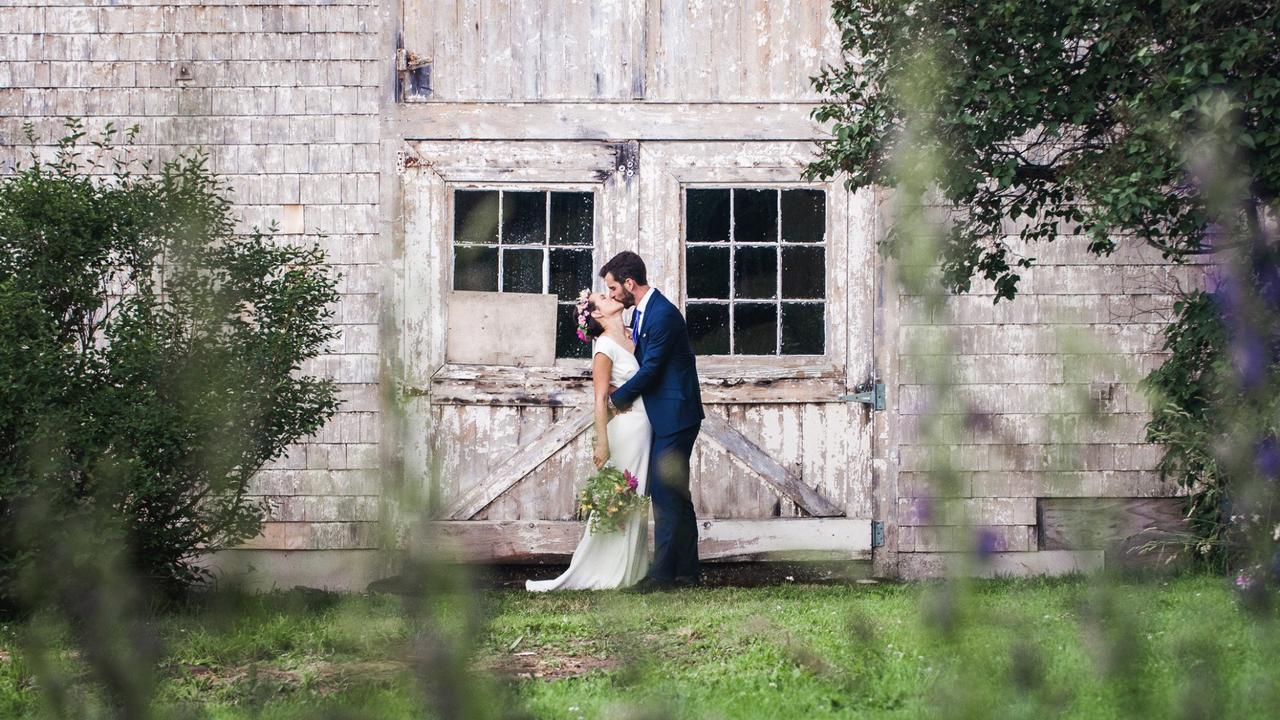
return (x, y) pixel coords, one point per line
(668, 382)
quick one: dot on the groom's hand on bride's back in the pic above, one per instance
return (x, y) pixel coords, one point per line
(614, 410)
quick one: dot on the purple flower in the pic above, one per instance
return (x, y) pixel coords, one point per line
(1250, 357)
(988, 543)
(1266, 458)
(922, 509)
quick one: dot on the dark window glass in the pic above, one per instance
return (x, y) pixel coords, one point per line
(475, 216)
(521, 271)
(570, 272)
(567, 343)
(708, 328)
(803, 329)
(571, 218)
(755, 328)
(707, 272)
(804, 216)
(524, 218)
(740, 286)
(755, 216)
(707, 216)
(804, 272)
(755, 272)
(475, 268)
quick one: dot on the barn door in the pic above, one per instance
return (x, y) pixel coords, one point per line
(782, 463)
(776, 290)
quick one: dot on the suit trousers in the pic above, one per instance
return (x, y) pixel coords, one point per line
(675, 527)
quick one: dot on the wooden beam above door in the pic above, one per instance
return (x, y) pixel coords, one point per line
(602, 121)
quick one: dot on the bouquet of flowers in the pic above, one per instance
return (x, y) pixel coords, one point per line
(609, 497)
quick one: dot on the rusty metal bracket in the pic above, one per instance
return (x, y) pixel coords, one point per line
(414, 75)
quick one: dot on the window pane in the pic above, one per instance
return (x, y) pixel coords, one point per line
(707, 216)
(708, 328)
(475, 268)
(755, 272)
(570, 272)
(803, 329)
(524, 218)
(804, 272)
(755, 329)
(707, 272)
(475, 216)
(567, 343)
(571, 218)
(755, 216)
(521, 271)
(804, 215)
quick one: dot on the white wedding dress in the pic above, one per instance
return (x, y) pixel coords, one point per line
(608, 560)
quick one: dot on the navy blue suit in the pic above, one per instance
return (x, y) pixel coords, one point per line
(668, 382)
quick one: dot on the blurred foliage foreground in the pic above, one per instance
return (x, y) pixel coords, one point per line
(1174, 648)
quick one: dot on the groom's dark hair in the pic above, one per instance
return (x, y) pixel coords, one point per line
(624, 265)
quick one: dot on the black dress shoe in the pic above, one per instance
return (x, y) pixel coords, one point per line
(649, 585)
(687, 581)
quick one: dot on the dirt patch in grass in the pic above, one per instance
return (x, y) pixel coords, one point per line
(546, 665)
(321, 677)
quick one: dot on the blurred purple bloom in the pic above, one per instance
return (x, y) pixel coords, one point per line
(921, 509)
(977, 421)
(1267, 458)
(988, 543)
(1250, 357)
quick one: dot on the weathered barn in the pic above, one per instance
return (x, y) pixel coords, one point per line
(449, 152)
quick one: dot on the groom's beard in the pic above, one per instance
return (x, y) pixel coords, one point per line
(628, 299)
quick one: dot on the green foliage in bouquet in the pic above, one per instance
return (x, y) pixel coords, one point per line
(609, 499)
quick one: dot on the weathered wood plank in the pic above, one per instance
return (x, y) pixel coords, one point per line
(562, 389)
(501, 328)
(509, 472)
(781, 479)
(1120, 526)
(604, 121)
(922, 565)
(718, 540)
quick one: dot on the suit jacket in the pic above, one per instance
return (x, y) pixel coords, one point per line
(668, 374)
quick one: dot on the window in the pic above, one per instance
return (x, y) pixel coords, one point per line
(527, 241)
(755, 271)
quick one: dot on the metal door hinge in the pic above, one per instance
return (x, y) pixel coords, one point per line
(871, 393)
(414, 76)
(877, 533)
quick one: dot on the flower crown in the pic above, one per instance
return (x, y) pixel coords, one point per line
(584, 298)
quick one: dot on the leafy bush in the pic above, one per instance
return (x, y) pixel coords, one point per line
(1067, 117)
(149, 360)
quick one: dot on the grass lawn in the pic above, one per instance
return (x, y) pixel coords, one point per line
(1066, 648)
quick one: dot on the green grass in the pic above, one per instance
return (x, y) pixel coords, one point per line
(1065, 648)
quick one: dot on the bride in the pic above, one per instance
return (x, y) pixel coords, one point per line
(608, 560)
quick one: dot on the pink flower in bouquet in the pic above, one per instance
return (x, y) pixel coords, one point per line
(632, 481)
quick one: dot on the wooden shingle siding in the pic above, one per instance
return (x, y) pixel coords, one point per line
(285, 97)
(1044, 389)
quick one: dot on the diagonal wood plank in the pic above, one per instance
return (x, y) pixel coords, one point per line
(778, 477)
(514, 468)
